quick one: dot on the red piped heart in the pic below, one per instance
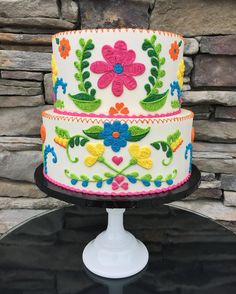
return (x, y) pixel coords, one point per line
(117, 159)
(119, 179)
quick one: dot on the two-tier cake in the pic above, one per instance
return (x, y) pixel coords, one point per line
(117, 127)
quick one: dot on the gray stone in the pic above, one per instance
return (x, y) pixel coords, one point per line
(34, 25)
(188, 62)
(210, 185)
(48, 88)
(21, 75)
(26, 39)
(19, 165)
(195, 17)
(215, 131)
(191, 46)
(222, 74)
(186, 80)
(20, 60)
(228, 182)
(186, 87)
(28, 48)
(19, 189)
(200, 111)
(216, 155)
(207, 176)
(14, 101)
(216, 165)
(210, 97)
(13, 217)
(229, 198)
(210, 208)
(12, 87)
(225, 45)
(213, 147)
(28, 203)
(69, 10)
(28, 8)
(20, 143)
(225, 112)
(231, 226)
(211, 193)
(21, 121)
(98, 14)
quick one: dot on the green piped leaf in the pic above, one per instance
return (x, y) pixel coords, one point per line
(165, 147)
(147, 88)
(93, 132)
(134, 174)
(81, 42)
(82, 97)
(154, 102)
(62, 133)
(57, 41)
(137, 133)
(175, 104)
(146, 177)
(87, 55)
(85, 75)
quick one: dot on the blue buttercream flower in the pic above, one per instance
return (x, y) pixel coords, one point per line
(115, 135)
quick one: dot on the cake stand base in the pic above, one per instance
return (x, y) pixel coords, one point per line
(115, 253)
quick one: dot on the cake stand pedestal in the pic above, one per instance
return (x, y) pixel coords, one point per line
(116, 253)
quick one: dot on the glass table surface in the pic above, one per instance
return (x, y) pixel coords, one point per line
(188, 254)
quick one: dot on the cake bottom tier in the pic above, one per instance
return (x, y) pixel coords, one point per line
(110, 156)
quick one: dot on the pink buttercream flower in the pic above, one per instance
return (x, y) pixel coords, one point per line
(119, 182)
(118, 68)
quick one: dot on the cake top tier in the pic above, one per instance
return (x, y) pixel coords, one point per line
(117, 72)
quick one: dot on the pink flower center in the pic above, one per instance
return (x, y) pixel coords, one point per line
(118, 68)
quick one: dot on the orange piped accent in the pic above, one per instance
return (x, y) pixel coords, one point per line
(192, 134)
(43, 133)
(115, 135)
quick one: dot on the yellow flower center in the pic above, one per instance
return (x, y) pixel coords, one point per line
(116, 135)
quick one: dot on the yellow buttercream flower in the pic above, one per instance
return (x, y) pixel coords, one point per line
(180, 73)
(96, 151)
(141, 155)
(54, 69)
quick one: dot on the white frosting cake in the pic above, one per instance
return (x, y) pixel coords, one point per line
(117, 127)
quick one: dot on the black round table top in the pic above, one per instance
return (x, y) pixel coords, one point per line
(151, 200)
(189, 254)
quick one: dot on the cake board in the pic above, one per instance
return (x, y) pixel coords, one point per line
(116, 253)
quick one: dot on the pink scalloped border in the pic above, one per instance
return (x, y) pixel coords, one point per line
(141, 193)
(115, 116)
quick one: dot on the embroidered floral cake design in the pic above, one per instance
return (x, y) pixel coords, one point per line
(85, 100)
(141, 155)
(64, 48)
(174, 50)
(118, 68)
(178, 85)
(119, 108)
(154, 100)
(119, 182)
(54, 69)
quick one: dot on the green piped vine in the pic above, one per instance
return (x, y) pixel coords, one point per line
(154, 100)
(85, 99)
(169, 146)
(59, 104)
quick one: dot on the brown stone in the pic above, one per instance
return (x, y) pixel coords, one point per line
(21, 121)
(225, 112)
(27, 39)
(21, 75)
(215, 131)
(34, 25)
(48, 88)
(15, 101)
(228, 182)
(101, 14)
(195, 17)
(28, 8)
(19, 189)
(12, 87)
(32, 48)
(225, 45)
(20, 143)
(210, 97)
(20, 60)
(214, 71)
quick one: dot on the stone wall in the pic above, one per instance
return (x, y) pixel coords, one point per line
(26, 27)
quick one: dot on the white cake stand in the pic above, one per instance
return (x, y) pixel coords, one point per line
(116, 253)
